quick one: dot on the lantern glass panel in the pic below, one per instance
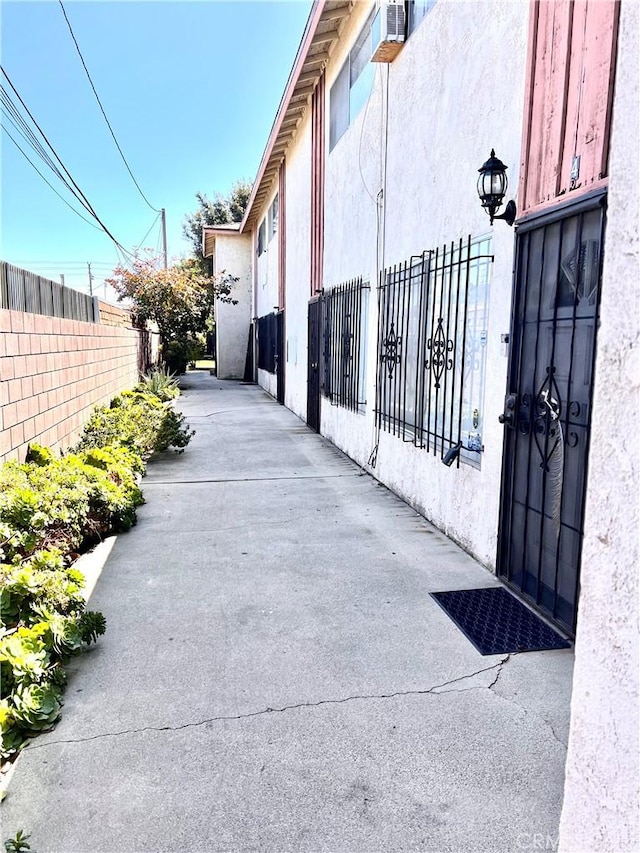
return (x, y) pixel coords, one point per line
(498, 183)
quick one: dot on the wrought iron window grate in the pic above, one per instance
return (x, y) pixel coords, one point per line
(267, 342)
(344, 323)
(424, 357)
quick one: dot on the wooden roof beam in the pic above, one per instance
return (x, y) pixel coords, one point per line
(314, 59)
(307, 75)
(324, 38)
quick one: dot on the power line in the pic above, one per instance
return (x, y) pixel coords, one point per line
(81, 197)
(62, 261)
(149, 231)
(70, 206)
(12, 113)
(84, 65)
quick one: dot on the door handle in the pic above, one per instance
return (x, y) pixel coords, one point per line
(509, 414)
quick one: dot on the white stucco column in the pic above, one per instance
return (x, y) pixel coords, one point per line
(601, 803)
(233, 256)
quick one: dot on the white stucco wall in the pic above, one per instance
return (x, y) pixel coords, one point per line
(267, 263)
(601, 804)
(233, 256)
(449, 104)
(266, 284)
(298, 264)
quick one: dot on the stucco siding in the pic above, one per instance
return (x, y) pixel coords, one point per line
(233, 256)
(298, 266)
(438, 83)
(267, 264)
(600, 809)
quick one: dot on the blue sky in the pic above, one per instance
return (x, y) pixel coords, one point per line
(191, 90)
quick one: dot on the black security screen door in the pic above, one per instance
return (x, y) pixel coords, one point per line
(280, 358)
(548, 406)
(313, 364)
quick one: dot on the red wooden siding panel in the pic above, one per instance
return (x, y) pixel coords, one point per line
(282, 235)
(568, 97)
(317, 187)
(596, 75)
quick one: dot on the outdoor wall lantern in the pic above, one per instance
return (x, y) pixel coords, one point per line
(492, 186)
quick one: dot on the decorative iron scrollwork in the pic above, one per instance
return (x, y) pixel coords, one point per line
(440, 346)
(391, 346)
(547, 427)
(347, 354)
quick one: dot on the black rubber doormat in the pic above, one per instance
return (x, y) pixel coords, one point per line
(496, 622)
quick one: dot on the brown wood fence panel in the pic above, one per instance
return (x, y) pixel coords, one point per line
(21, 290)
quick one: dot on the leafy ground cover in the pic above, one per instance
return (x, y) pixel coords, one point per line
(52, 508)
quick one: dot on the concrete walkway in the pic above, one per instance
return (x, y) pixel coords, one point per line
(275, 677)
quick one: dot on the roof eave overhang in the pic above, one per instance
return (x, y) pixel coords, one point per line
(321, 33)
(209, 234)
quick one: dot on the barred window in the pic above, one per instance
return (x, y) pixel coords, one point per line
(432, 331)
(345, 312)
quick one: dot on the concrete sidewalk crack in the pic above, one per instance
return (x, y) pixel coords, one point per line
(435, 690)
(250, 479)
(526, 711)
(499, 672)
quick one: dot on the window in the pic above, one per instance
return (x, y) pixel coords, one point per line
(475, 358)
(262, 237)
(432, 335)
(345, 313)
(273, 217)
(352, 86)
(417, 12)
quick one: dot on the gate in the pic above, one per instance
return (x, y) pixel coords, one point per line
(548, 406)
(280, 357)
(313, 363)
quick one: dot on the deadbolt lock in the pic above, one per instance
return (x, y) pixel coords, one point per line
(508, 416)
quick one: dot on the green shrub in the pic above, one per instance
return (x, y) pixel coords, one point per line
(36, 707)
(160, 382)
(139, 421)
(66, 502)
(176, 356)
(39, 455)
(18, 844)
(41, 580)
(50, 508)
(32, 667)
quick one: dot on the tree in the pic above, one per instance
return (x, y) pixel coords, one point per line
(180, 300)
(219, 211)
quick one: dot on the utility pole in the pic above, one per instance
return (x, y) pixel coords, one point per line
(164, 237)
(90, 279)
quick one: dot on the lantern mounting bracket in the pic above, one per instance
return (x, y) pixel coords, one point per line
(509, 215)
